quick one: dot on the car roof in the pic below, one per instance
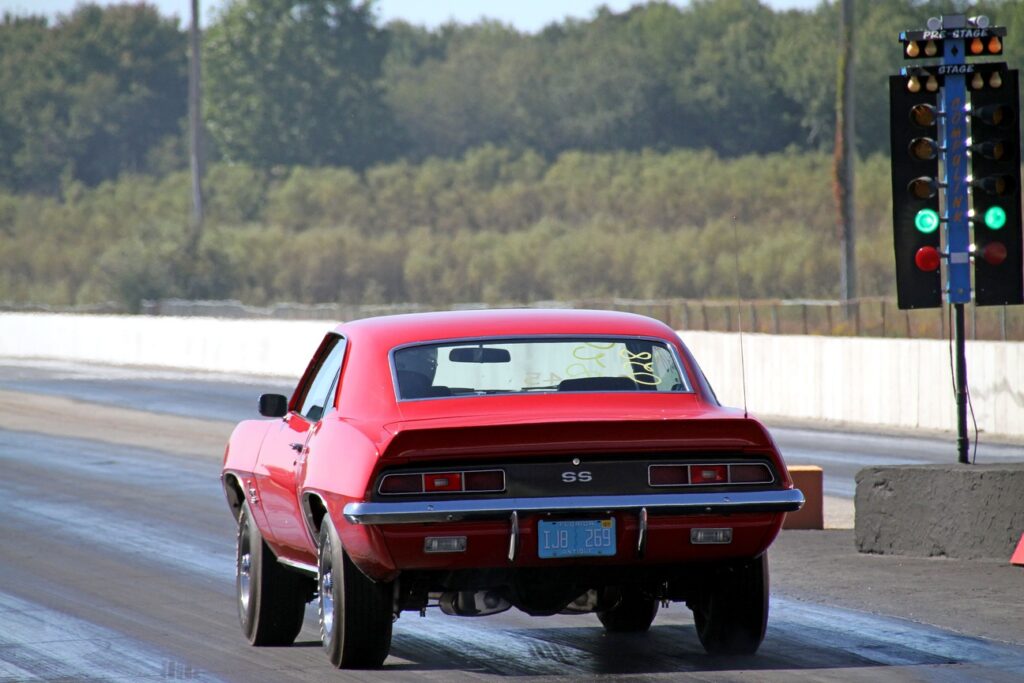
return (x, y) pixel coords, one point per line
(395, 330)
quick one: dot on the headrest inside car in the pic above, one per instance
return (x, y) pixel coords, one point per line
(597, 384)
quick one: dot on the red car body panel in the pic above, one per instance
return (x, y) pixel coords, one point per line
(294, 468)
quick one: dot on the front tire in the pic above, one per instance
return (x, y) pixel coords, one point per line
(271, 599)
(731, 619)
(355, 612)
(633, 613)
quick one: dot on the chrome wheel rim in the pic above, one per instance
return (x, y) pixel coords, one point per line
(244, 569)
(326, 601)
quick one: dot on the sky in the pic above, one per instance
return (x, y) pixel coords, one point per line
(525, 15)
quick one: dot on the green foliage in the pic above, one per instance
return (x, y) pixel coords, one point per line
(320, 83)
(296, 83)
(672, 150)
(89, 97)
(496, 225)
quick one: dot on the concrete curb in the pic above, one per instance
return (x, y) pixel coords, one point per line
(961, 511)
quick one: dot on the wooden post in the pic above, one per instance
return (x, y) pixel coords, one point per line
(195, 127)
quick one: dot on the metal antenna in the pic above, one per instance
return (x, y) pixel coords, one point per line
(739, 312)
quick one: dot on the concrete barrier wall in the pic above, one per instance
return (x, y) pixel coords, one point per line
(279, 348)
(900, 383)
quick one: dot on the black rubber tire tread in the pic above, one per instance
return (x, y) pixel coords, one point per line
(278, 598)
(634, 613)
(363, 609)
(731, 619)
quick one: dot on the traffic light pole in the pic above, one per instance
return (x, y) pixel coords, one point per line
(958, 234)
(962, 439)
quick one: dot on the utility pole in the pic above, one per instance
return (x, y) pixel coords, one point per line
(195, 126)
(845, 155)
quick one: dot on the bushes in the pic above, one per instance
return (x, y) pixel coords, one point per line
(496, 226)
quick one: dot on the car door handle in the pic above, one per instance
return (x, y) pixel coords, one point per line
(297, 447)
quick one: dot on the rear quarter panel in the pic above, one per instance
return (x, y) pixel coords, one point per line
(339, 472)
(240, 457)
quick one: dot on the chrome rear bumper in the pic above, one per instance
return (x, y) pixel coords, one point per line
(425, 511)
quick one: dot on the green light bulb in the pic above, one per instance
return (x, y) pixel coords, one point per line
(927, 220)
(995, 217)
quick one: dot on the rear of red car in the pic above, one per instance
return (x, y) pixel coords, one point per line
(575, 474)
(552, 461)
(545, 513)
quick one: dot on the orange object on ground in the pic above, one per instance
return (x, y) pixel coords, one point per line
(807, 478)
(1018, 554)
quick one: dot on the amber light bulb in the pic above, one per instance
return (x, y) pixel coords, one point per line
(995, 46)
(977, 47)
(930, 48)
(932, 85)
(914, 85)
(913, 49)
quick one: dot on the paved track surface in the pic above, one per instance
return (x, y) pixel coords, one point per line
(116, 564)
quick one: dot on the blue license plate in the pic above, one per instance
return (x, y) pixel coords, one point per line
(579, 538)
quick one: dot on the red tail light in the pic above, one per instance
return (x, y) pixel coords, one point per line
(709, 474)
(401, 483)
(487, 480)
(750, 474)
(472, 481)
(442, 481)
(668, 475)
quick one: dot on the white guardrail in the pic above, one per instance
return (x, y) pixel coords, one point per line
(901, 383)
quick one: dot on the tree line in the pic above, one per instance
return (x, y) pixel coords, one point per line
(666, 151)
(496, 225)
(102, 91)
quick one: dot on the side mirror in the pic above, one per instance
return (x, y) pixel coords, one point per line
(273, 405)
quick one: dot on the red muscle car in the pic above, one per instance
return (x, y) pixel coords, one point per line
(552, 461)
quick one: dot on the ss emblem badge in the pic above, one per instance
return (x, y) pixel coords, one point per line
(572, 477)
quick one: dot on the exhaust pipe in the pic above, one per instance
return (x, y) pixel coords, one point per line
(473, 603)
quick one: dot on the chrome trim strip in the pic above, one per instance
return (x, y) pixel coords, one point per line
(422, 511)
(307, 515)
(641, 540)
(301, 566)
(513, 539)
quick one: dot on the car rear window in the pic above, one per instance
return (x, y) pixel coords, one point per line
(503, 366)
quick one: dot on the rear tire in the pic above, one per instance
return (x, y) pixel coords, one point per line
(731, 619)
(271, 599)
(633, 613)
(355, 612)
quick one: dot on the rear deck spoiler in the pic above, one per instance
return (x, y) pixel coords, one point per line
(414, 440)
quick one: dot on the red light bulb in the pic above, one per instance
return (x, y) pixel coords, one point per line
(994, 253)
(927, 259)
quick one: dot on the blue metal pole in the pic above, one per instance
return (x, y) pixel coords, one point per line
(958, 232)
(954, 161)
